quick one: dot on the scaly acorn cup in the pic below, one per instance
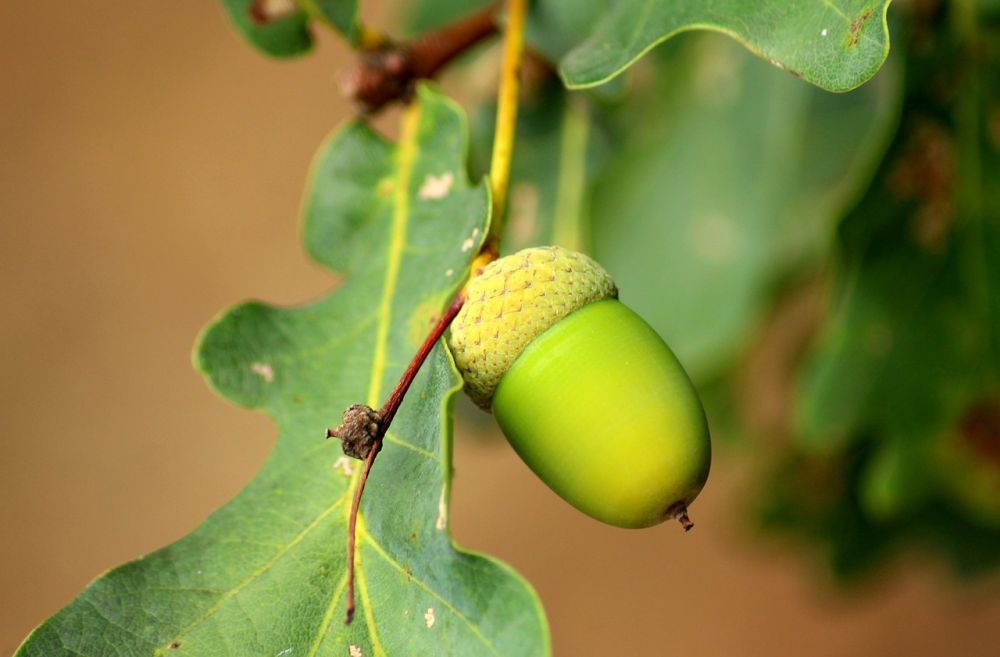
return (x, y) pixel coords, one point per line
(586, 391)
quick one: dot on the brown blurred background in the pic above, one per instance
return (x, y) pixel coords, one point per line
(150, 171)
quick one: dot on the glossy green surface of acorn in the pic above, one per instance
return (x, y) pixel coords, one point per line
(585, 391)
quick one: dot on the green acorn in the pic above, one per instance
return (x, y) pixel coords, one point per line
(586, 392)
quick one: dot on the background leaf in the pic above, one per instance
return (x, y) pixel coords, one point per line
(902, 388)
(341, 15)
(287, 34)
(265, 574)
(727, 175)
(836, 44)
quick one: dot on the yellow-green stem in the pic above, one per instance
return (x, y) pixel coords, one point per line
(507, 97)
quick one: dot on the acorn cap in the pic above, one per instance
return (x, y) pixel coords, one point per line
(514, 300)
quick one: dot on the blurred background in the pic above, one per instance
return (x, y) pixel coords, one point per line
(151, 165)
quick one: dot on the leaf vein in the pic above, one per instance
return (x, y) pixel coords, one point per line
(324, 625)
(259, 571)
(392, 438)
(369, 614)
(396, 565)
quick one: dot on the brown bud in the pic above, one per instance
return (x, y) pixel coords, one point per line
(359, 430)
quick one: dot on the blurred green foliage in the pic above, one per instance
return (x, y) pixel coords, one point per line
(900, 389)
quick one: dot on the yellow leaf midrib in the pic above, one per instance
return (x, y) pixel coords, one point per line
(406, 157)
(397, 240)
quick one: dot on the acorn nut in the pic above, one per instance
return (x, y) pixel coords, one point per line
(586, 392)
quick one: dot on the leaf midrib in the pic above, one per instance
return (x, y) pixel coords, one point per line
(406, 156)
(397, 240)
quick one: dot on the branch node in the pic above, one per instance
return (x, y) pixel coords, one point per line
(389, 71)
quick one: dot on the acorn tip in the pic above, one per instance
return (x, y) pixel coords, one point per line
(679, 513)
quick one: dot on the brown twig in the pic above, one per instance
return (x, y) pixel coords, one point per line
(389, 71)
(385, 416)
(352, 527)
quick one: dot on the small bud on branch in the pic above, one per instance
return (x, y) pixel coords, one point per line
(360, 428)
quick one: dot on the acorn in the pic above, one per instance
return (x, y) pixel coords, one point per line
(585, 391)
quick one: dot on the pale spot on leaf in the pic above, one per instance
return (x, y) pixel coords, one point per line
(355, 651)
(429, 617)
(442, 519)
(344, 465)
(273, 9)
(469, 243)
(436, 186)
(263, 370)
